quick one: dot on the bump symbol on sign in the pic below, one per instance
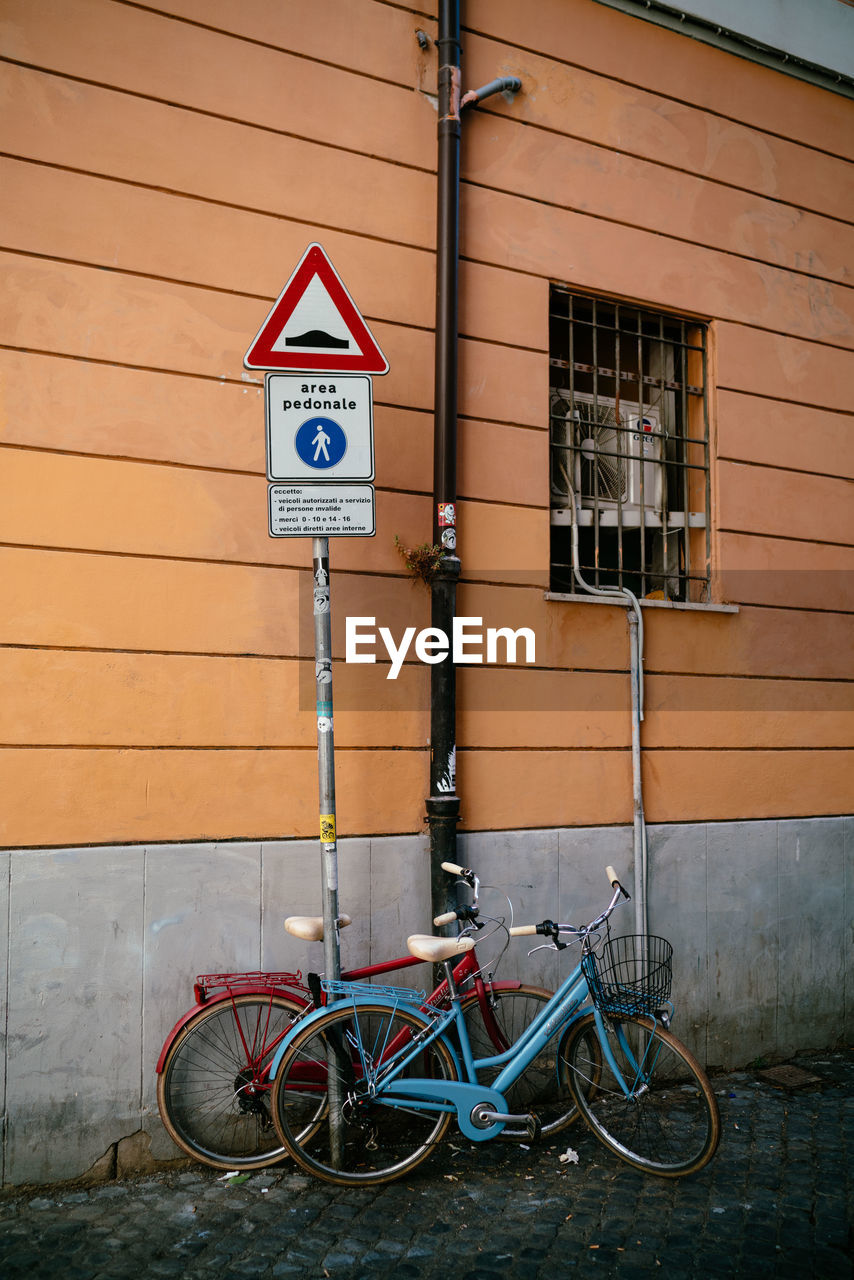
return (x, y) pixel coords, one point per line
(320, 443)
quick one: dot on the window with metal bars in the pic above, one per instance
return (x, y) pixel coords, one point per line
(629, 443)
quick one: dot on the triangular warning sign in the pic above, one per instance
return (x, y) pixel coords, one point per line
(315, 326)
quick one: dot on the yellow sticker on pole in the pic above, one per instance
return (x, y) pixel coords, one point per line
(327, 828)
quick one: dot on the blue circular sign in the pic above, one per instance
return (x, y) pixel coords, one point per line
(320, 443)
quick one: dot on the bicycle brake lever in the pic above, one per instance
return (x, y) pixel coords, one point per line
(551, 930)
(544, 946)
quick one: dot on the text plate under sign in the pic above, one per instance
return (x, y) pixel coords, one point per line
(322, 510)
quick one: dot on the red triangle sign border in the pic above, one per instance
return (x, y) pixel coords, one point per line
(261, 353)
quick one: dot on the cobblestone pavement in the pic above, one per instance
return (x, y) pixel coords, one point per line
(775, 1202)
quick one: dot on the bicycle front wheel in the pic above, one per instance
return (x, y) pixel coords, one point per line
(669, 1123)
(374, 1140)
(214, 1090)
(543, 1088)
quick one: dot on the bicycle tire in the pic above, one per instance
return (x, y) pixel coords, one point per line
(670, 1125)
(213, 1098)
(544, 1086)
(379, 1141)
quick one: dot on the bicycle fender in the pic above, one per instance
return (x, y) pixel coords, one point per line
(463, 1097)
(224, 996)
(302, 1023)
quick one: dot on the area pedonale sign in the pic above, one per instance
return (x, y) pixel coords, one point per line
(317, 354)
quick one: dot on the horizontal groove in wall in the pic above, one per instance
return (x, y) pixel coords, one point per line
(478, 578)
(202, 111)
(311, 748)
(414, 246)
(486, 37)
(170, 464)
(647, 751)
(409, 834)
(586, 212)
(194, 284)
(620, 672)
(265, 44)
(789, 335)
(549, 55)
(776, 466)
(781, 537)
(214, 202)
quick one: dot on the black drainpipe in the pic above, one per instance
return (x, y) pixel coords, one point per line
(443, 803)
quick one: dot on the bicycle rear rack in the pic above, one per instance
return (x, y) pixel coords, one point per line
(365, 990)
(209, 984)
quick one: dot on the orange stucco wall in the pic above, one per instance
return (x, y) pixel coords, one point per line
(162, 174)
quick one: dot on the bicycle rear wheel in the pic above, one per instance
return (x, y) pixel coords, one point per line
(377, 1140)
(669, 1124)
(544, 1087)
(214, 1092)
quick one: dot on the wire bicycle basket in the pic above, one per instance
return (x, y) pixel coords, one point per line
(631, 974)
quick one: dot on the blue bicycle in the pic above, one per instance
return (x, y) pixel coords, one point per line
(366, 1087)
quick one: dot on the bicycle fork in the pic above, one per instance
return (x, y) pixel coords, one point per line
(642, 1070)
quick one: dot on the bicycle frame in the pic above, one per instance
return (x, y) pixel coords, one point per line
(467, 969)
(569, 1003)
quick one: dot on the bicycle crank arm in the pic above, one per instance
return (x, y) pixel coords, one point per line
(483, 1116)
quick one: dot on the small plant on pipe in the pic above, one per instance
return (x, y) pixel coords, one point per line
(422, 561)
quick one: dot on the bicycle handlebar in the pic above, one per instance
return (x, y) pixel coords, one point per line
(461, 913)
(469, 913)
(454, 870)
(549, 929)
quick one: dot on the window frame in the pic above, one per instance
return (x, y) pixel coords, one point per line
(633, 506)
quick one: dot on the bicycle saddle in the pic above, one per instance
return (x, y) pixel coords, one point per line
(310, 928)
(426, 947)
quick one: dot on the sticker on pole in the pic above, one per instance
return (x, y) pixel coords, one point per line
(315, 326)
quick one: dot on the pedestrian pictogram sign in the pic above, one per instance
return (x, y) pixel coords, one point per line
(315, 326)
(321, 443)
(319, 426)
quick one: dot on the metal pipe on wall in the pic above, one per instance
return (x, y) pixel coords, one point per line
(635, 619)
(443, 804)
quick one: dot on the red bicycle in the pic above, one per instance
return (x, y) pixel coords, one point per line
(213, 1084)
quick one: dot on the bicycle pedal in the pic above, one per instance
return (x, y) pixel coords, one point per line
(483, 1116)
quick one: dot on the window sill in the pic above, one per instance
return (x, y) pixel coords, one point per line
(686, 607)
(628, 518)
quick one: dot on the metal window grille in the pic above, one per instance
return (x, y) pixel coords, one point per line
(629, 444)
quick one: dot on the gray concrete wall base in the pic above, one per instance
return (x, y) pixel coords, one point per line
(99, 948)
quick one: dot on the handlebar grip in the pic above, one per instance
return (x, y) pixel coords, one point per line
(614, 881)
(522, 930)
(453, 869)
(448, 918)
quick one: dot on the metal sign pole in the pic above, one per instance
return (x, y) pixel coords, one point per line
(326, 795)
(326, 755)
(324, 450)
